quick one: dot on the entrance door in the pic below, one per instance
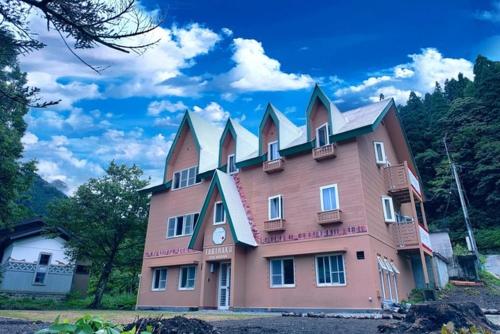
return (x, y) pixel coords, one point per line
(224, 285)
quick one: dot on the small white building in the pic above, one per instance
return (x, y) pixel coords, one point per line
(34, 264)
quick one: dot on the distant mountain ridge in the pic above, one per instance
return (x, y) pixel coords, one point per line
(41, 194)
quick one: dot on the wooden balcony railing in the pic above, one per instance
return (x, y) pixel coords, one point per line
(405, 234)
(329, 217)
(399, 178)
(273, 166)
(324, 152)
(274, 225)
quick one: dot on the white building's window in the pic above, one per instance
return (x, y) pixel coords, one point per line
(185, 178)
(330, 270)
(187, 277)
(282, 273)
(231, 164)
(388, 206)
(273, 151)
(42, 268)
(275, 207)
(322, 135)
(159, 279)
(181, 225)
(219, 213)
(380, 157)
(329, 197)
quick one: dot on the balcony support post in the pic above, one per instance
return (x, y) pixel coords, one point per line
(422, 211)
(424, 267)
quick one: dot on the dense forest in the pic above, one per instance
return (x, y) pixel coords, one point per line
(467, 113)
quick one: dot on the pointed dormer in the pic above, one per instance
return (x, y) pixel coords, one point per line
(236, 144)
(194, 151)
(276, 132)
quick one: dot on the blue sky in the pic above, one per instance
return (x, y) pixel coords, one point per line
(229, 58)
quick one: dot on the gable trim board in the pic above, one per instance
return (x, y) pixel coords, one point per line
(237, 219)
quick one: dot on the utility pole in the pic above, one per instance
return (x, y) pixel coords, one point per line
(462, 202)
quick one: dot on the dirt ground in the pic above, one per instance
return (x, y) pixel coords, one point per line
(268, 325)
(484, 297)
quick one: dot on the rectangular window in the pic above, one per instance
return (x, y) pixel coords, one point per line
(187, 278)
(159, 279)
(380, 157)
(282, 273)
(273, 151)
(231, 164)
(388, 206)
(185, 178)
(42, 268)
(330, 270)
(275, 210)
(181, 225)
(219, 213)
(322, 135)
(329, 197)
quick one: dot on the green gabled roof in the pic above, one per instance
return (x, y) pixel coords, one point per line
(235, 211)
(318, 94)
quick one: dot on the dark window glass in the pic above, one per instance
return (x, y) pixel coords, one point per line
(44, 260)
(360, 255)
(180, 223)
(288, 271)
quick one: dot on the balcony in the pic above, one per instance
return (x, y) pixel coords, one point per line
(400, 180)
(405, 235)
(275, 225)
(324, 152)
(273, 166)
(329, 217)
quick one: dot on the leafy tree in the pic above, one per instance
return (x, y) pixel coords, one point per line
(15, 176)
(106, 219)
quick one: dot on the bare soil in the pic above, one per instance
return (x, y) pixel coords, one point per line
(483, 296)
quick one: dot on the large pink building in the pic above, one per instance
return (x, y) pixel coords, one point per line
(328, 215)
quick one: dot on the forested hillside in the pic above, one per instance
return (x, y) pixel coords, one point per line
(40, 194)
(468, 114)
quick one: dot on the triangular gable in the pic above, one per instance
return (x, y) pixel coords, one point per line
(288, 133)
(236, 215)
(206, 138)
(335, 118)
(246, 142)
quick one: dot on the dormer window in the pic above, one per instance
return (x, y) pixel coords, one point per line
(322, 136)
(273, 151)
(185, 178)
(231, 164)
(380, 157)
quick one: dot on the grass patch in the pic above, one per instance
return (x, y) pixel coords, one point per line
(118, 302)
(416, 296)
(122, 317)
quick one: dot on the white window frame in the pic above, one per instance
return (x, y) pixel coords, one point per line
(336, 196)
(45, 266)
(183, 227)
(180, 278)
(281, 211)
(382, 149)
(187, 179)
(317, 270)
(236, 169)
(269, 150)
(391, 206)
(223, 213)
(282, 285)
(155, 270)
(327, 135)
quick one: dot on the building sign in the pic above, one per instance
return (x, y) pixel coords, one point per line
(169, 252)
(218, 253)
(327, 233)
(424, 238)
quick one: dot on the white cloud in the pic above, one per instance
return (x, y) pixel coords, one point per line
(226, 31)
(213, 112)
(420, 75)
(29, 139)
(364, 85)
(166, 121)
(492, 15)
(255, 71)
(155, 108)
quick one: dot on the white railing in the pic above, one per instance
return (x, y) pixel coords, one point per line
(414, 182)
